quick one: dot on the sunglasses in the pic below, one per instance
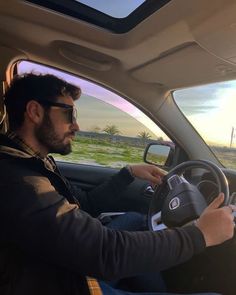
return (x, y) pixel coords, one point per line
(71, 113)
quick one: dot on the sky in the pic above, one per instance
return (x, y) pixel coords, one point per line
(115, 8)
(95, 113)
(212, 108)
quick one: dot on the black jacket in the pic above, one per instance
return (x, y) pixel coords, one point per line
(48, 244)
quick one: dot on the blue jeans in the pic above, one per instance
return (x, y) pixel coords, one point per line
(131, 221)
(148, 284)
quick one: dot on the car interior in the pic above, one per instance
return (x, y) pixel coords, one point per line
(163, 75)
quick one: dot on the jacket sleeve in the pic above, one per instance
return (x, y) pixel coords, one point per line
(104, 197)
(44, 225)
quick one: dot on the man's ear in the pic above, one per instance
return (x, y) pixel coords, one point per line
(34, 111)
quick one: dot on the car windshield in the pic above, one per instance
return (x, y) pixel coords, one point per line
(211, 110)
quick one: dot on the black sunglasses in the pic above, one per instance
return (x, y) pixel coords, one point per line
(71, 114)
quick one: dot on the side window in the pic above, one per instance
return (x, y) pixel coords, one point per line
(113, 132)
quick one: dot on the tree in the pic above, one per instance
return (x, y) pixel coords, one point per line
(111, 130)
(144, 135)
(95, 129)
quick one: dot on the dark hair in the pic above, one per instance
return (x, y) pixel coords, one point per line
(26, 87)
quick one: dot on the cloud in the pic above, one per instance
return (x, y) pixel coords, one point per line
(192, 110)
(202, 99)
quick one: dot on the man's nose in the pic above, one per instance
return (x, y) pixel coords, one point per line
(75, 126)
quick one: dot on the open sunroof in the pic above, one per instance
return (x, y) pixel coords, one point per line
(117, 9)
(118, 16)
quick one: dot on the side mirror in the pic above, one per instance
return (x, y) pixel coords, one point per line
(158, 154)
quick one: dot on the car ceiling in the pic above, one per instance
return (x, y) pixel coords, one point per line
(185, 43)
(181, 30)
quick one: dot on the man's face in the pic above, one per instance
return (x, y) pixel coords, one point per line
(56, 131)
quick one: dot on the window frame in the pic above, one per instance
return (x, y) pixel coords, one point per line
(179, 151)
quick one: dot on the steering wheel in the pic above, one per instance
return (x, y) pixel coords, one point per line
(176, 201)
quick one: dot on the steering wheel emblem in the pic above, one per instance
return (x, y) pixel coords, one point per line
(174, 203)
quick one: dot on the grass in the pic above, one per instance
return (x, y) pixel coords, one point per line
(227, 157)
(105, 152)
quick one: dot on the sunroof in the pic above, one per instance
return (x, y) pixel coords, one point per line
(117, 9)
(118, 16)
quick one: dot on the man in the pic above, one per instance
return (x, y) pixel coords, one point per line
(49, 245)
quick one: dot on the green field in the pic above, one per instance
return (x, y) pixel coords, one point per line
(227, 156)
(105, 152)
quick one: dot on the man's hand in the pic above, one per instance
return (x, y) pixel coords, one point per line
(148, 172)
(217, 224)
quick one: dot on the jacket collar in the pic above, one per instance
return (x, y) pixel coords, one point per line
(22, 144)
(12, 145)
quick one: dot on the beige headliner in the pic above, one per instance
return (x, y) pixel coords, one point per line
(187, 42)
(185, 34)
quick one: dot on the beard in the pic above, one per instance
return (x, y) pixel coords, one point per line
(48, 137)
